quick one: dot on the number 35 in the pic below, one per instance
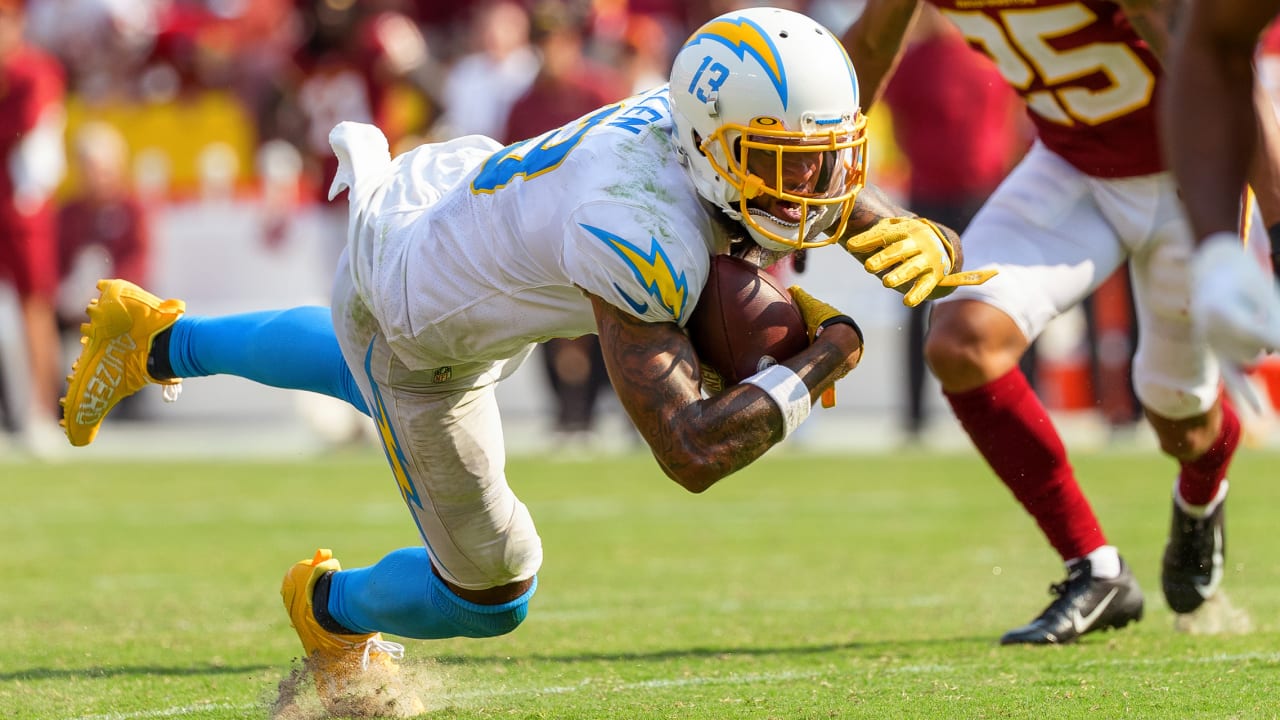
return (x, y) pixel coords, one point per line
(1024, 53)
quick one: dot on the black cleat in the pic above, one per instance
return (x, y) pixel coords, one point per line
(1193, 558)
(1085, 604)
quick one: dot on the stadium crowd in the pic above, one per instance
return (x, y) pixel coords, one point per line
(163, 101)
(169, 101)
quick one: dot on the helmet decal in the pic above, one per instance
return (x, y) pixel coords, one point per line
(654, 271)
(745, 37)
(765, 112)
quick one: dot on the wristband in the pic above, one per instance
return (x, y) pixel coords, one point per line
(839, 320)
(787, 391)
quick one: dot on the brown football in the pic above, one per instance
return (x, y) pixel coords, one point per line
(745, 321)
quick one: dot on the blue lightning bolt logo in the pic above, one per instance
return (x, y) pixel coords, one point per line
(744, 38)
(653, 270)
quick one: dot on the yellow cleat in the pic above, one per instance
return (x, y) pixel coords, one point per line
(355, 675)
(113, 364)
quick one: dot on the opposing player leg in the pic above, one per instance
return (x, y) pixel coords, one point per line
(134, 338)
(1052, 247)
(1177, 382)
(476, 570)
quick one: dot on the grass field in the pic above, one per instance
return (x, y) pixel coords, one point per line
(804, 587)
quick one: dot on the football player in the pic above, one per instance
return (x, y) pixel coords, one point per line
(1212, 124)
(462, 255)
(1091, 194)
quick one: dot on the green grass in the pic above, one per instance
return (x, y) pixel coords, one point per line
(804, 587)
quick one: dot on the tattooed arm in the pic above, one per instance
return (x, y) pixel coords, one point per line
(697, 440)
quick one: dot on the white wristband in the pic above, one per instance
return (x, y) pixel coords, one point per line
(787, 391)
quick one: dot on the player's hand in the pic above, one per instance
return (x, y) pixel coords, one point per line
(818, 315)
(1235, 306)
(911, 255)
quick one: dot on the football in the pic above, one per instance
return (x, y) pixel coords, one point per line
(744, 321)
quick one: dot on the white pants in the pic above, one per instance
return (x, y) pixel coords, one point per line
(443, 439)
(1055, 234)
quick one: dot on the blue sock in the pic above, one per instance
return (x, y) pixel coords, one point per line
(401, 595)
(295, 349)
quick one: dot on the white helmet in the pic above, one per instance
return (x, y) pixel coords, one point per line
(765, 107)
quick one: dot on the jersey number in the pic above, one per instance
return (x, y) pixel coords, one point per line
(531, 158)
(1022, 51)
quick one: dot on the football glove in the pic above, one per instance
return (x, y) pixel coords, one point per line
(818, 315)
(911, 255)
(1235, 307)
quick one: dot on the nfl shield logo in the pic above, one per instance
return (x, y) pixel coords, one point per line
(442, 374)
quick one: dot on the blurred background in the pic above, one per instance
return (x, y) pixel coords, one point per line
(182, 144)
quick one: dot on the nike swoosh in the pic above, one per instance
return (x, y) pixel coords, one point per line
(1215, 571)
(1083, 622)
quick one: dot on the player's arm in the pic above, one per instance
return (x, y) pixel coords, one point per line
(1159, 23)
(1210, 126)
(1209, 113)
(919, 258)
(1155, 22)
(875, 42)
(697, 440)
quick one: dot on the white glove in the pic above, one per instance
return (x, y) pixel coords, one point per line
(1235, 306)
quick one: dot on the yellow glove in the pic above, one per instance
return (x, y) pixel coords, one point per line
(818, 315)
(911, 255)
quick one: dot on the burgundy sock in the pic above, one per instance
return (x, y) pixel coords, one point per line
(1199, 479)
(1012, 430)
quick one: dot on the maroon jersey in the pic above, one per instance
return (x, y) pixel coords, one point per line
(1089, 82)
(30, 83)
(119, 226)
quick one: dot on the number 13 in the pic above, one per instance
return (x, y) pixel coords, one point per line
(708, 79)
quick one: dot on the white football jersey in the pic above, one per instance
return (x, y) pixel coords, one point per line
(469, 251)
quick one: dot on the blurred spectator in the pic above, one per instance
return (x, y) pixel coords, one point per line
(102, 229)
(678, 17)
(577, 378)
(961, 129)
(646, 53)
(568, 85)
(100, 43)
(363, 62)
(32, 162)
(102, 226)
(481, 86)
